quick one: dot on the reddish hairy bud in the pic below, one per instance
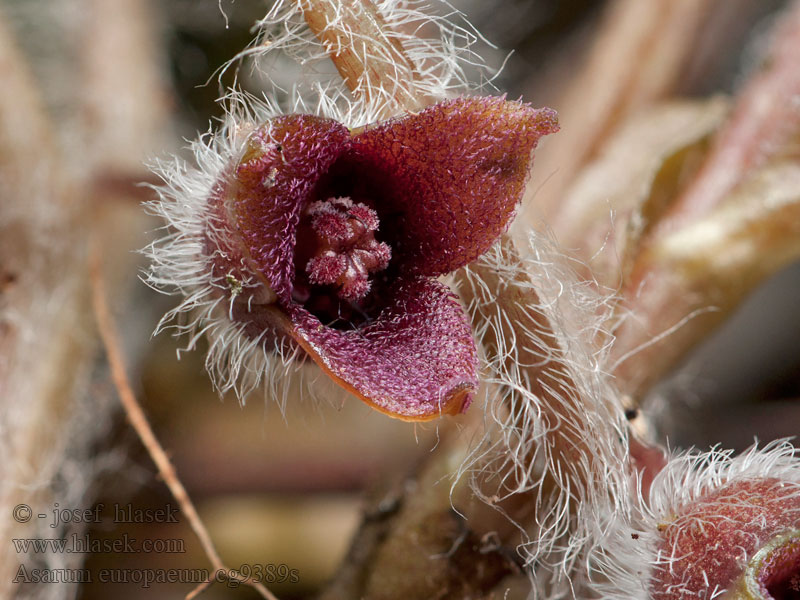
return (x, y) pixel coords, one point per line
(707, 543)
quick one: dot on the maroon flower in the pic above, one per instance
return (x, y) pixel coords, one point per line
(345, 232)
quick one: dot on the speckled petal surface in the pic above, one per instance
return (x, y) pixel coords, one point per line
(415, 361)
(451, 176)
(273, 181)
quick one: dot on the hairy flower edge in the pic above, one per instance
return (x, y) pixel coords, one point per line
(706, 516)
(437, 224)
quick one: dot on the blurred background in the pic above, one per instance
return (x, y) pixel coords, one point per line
(287, 488)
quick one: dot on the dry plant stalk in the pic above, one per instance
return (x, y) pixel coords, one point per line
(630, 227)
(636, 58)
(125, 129)
(138, 420)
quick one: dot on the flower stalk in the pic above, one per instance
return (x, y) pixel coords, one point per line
(550, 396)
(639, 56)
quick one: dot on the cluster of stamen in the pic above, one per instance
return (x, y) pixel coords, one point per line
(347, 251)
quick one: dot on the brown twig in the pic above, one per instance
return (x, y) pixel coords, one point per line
(138, 420)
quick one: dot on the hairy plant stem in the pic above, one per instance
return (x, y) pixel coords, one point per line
(670, 301)
(44, 360)
(369, 58)
(424, 526)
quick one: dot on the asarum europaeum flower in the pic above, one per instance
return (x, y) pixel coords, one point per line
(329, 241)
(714, 527)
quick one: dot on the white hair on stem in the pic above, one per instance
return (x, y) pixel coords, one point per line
(178, 263)
(549, 392)
(438, 63)
(619, 564)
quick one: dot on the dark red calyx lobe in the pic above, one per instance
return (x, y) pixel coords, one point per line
(273, 182)
(345, 249)
(451, 176)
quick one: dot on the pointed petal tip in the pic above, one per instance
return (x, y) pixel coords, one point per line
(513, 115)
(455, 402)
(547, 121)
